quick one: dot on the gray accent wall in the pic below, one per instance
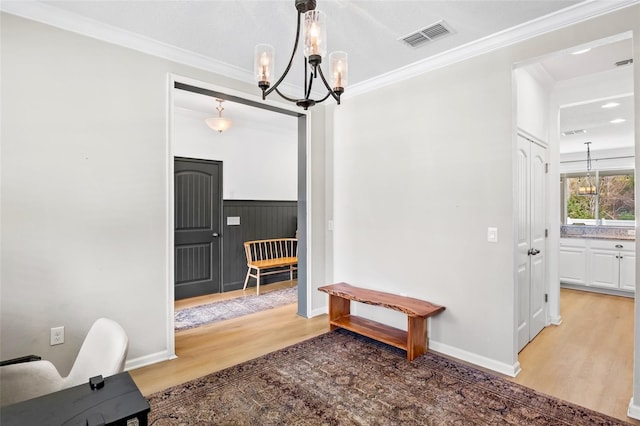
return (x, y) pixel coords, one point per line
(259, 220)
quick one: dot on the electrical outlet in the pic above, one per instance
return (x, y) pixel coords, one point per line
(57, 336)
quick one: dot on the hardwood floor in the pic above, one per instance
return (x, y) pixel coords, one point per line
(204, 350)
(587, 360)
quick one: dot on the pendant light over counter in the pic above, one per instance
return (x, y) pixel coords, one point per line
(587, 186)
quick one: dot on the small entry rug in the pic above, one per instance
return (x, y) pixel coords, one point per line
(340, 378)
(227, 309)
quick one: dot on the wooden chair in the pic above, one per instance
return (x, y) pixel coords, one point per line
(267, 257)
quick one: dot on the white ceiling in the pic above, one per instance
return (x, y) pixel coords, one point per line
(597, 122)
(597, 64)
(203, 106)
(228, 30)
(223, 33)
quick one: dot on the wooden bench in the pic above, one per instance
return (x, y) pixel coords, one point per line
(414, 340)
(267, 257)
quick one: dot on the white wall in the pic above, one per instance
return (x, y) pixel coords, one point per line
(413, 198)
(84, 187)
(533, 88)
(405, 193)
(258, 163)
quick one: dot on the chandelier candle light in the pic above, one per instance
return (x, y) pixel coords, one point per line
(315, 48)
(219, 123)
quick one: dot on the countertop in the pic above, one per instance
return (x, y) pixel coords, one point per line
(598, 232)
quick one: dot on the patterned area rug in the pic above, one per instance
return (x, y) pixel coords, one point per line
(227, 309)
(340, 378)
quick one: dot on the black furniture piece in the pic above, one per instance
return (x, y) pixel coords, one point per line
(113, 402)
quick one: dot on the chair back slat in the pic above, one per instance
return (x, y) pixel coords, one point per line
(274, 248)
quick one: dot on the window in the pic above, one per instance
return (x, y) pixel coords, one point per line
(614, 203)
(616, 199)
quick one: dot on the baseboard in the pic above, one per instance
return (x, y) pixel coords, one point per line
(145, 360)
(556, 320)
(319, 311)
(610, 291)
(479, 360)
(634, 410)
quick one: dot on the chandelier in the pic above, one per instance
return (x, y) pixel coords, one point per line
(219, 123)
(586, 185)
(315, 48)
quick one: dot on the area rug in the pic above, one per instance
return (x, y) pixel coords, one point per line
(227, 309)
(340, 378)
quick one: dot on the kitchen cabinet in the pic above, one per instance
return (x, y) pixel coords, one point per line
(598, 263)
(573, 261)
(627, 276)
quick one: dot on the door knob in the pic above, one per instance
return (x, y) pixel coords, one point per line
(216, 235)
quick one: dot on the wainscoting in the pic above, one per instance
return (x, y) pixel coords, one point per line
(258, 220)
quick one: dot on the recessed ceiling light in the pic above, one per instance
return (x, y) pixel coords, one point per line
(617, 120)
(581, 51)
(610, 105)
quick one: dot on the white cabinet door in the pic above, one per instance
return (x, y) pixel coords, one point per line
(627, 270)
(603, 267)
(573, 265)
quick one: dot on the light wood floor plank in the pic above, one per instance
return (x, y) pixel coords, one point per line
(588, 359)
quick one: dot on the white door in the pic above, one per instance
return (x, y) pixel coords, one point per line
(531, 240)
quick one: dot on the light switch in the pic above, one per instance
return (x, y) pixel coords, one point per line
(492, 235)
(233, 220)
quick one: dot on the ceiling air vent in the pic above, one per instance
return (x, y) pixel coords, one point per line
(432, 32)
(573, 132)
(625, 62)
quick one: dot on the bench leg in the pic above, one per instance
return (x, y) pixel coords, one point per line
(338, 307)
(246, 280)
(290, 272)
(258, 282)
(416, 337)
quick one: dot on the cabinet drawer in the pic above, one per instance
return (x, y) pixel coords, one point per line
(612, 244)
(573, 242)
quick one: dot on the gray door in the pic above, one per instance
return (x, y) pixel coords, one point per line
(198, 202)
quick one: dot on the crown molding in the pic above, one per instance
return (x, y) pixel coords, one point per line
(73, 22)
(69, 21)
(554, 21)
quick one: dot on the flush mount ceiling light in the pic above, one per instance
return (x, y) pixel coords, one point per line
(610, 105)
(219, 123)
(315, 48)
(617, 120)
(586, 185)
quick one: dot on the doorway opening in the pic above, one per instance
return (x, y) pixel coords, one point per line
(236, 104)
(572, 97)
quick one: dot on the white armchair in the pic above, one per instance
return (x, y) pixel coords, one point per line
(103, 352)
